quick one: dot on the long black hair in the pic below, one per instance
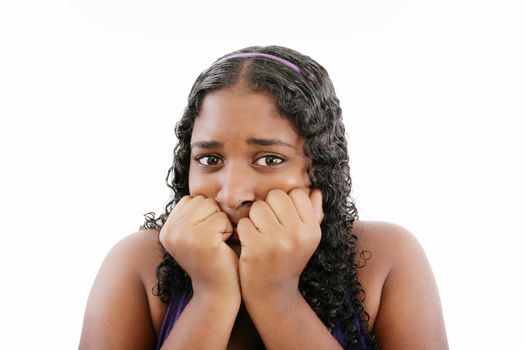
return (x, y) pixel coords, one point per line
(307, 98)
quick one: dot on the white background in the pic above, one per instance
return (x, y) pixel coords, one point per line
(432, 94)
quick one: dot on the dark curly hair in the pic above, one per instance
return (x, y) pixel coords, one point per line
(329, 281)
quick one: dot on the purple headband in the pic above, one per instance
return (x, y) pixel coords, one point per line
(260, 54)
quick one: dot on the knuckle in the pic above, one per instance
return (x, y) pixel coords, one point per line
(178, 238)
(257, 205)
(210, 204)
(183, 201)
(299, 194)
(214, 219)
(220, 215)
(185, 198)
(296, 192)
(307, 236)
(243, 223)
(285, 246)
(308, 240)
(274, 194)
(177, 207)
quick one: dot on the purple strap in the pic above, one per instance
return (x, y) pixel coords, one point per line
(261, 54)
(177, 304)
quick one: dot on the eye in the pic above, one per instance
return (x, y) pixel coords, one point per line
(209, 160)
(269, 160)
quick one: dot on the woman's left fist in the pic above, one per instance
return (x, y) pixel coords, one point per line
(278, 239)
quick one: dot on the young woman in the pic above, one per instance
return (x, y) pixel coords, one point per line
(260, 245)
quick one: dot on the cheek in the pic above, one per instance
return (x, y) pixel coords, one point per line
(298, 180)
(199, 184)
(285, 182)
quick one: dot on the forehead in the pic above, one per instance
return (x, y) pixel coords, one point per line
(237, 112)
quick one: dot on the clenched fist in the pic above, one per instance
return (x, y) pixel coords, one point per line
(279, 237)
(195, 234)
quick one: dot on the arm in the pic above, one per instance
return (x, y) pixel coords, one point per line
(194, 234)
(119, 316)
(287, 322)
(205, 323)
(410, 315)
(278, 239)
(117, 313)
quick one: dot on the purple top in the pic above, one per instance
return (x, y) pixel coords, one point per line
(179, 301)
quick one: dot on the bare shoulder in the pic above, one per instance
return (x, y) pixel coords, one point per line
(138, 254)
(381, 234)
(401, 294)
(122, 312)
(378, 246)
(141, 250)
(384, 243)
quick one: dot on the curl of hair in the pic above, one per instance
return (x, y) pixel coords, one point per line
(329, 281)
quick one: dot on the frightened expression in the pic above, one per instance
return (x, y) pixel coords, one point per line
(241, 148)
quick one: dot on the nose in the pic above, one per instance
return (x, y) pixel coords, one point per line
(237, 186)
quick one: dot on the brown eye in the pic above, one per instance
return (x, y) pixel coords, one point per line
(269, 160)
(210, 160)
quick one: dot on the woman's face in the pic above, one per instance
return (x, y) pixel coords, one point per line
(241, 149)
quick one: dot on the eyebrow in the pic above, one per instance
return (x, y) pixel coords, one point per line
(250, 141)
(206, 144)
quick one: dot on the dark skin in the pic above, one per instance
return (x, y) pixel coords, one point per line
(252, 213)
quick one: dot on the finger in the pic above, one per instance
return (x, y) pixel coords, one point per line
(187, 205)
(179, 208)
(228, 229)
(203, 210)
(248, 233)
(303, 205)
(217, 224)
(316, 197)
(282, 206)
(263, 217)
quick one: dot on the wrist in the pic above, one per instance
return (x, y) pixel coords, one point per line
(275, 306)
(226, 296)
(283, 295)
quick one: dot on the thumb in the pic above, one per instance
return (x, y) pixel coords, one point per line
(316, 197)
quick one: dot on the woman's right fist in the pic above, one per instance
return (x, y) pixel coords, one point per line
(195, 234)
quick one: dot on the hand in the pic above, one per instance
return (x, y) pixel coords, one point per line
(279, 237)
(195, 234)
